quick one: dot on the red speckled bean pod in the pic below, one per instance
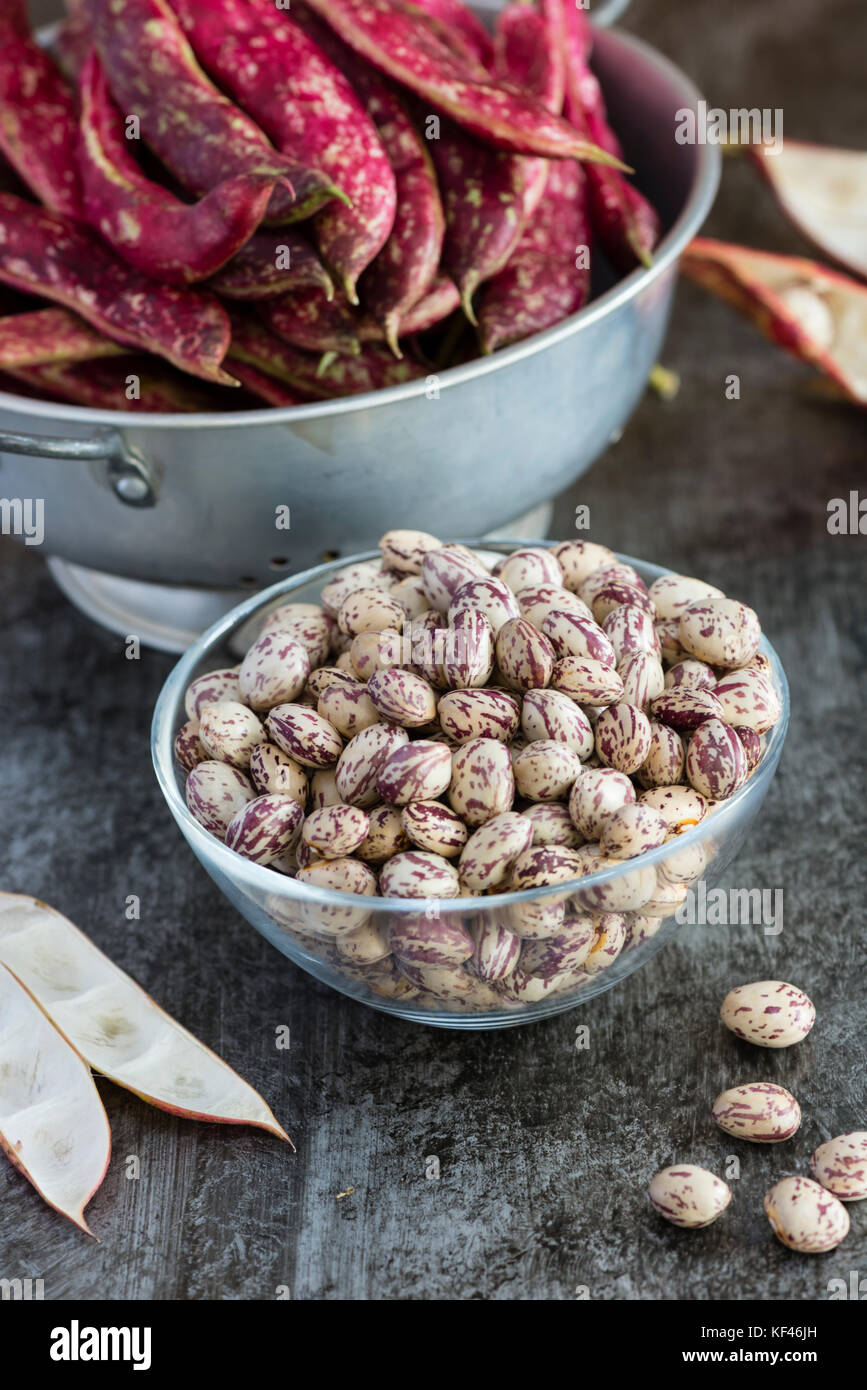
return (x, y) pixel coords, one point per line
(144, 223)
(372, 370)
(45, 254)
(529, 53)
(307, 107)
(37, 118)
(545, 280)
(266, 388)
(270, 264)
(394, 38)
(457, 20)
(441, 300)
(50, 335)
(197, 132)
(626, 224)
(405, 267)
(129, 384)
(74, 40)
(309, 320)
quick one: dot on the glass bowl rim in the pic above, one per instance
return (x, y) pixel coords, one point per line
(263, 878)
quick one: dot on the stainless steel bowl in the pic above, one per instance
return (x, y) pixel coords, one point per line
(190, 500)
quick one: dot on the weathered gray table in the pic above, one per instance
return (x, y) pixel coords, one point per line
(545, 1151)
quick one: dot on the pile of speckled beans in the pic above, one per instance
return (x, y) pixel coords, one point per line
(440, 729)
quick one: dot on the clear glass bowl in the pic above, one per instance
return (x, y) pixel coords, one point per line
(299, 919)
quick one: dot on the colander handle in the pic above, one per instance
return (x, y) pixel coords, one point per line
(128, 473)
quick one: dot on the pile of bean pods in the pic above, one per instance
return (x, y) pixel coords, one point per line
(440, 729)
(301, 203)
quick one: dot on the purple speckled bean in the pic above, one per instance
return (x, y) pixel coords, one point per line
(552, 824)
(554, 715)
(546, 770)
(364, 575)
(361, 762)
(483, 784)
(265, 828)
(418, 874)
(430, 940)
(230, 732)
(490, 852)
(631, 629)
(760, 1111)
(417, 771)
(348, 707)
(445, 570)
(806, 1217)
(643, 678)
(595, 795)
(697, 675)
(672, 593)
(684, 707)
(566, 951)
(623, 737)
(468, 657)
(667, 631)
(752, 743)
(272, 771)
(370, 610)
(402, 698)
(304, 735)
(615, 594)
(579, 559)
(403, 551)
(716, 764)
(335, 831)
(617, 573)
(306, 622)
(608, 943)
(385, 835)
(570, 634)
(530, 567)
(689, 1196)
(663, 766)
(469, 714)
(496, 950)
(274, 671)
(681, 807)
(342, 876)
(631, 830)
(434, 827)
(188, 747)
(525, 656)
(586, 681)
(720, 631)
(748, 700)
(214, 792)
(769, 1013)
(538, 600)
(488, 596)
(840, 1165)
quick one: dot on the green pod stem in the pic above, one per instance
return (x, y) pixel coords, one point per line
(308, 319)
(374, 369)
(547, 279)
(200, 135)
(270, 264)
(626, 225)
(44, 254)
(145, 224)
(405, 267)
(398, 39)
(37, 118)
(130, 384)
(45, 336)
(310, 111)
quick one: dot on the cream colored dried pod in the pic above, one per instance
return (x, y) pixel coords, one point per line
(552, 824)
(417, 771)
(840, 1165)
(443, 572)
(272, 770)
(587, 682)
(375, 651)
(546, 770)
(335, 831)
(364, 575)
(530, 566)
(210, 689)
(418, 874)
(689, 1196)
(487, 858)
(643, 679)
(229, 732)
(769, 1013)
(404, 551)
(623, 737)
(430, 825)
(214, 792)
(525, 657)
(336, 876)
(595, 795)
(539, 600)
(553, 715)
(607, 944)
(361, 762)
(365, 946)
(370, 610)
(749, 700)
(469, 714)
(483, 784)
(348, 707)
(385, 835)
(304, 735)
(720, 631)
(323, 789)
(663, 766)
(631, 830)
(759, 1111)
(672, 593)
(579, 559)
(410, 592)
(681, 807)
(804, 1216)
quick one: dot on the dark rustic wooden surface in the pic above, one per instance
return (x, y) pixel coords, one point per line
(544, 1151)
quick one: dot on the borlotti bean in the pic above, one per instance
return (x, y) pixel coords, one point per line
(689, 1196)
(760, 1111)
(840, 1165)
(447, 725)
(768, 1013)
(805, 1216)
